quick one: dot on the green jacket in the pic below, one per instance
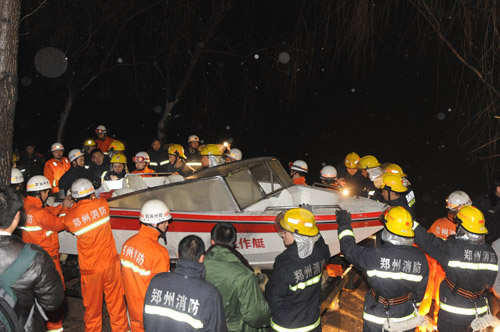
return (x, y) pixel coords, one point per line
(244, 304)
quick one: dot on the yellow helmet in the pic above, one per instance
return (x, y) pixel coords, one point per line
(15, 157)
(351, 160)
(395, 169)
(472, 219)
(393, 182)
(116, 145)
(177, 150)
(298, 220)
(118, 158)
(210, 150)
(368, 162)
(399, 221)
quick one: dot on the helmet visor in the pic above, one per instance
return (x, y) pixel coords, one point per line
(139, 159)
(277, 223)
(100, 131)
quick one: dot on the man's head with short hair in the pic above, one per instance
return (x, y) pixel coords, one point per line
(224, 234)
(11, 202)
(191, 248)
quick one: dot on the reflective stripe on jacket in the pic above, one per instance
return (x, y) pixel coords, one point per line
(54, 170)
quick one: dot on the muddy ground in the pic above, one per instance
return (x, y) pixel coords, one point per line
(345, 318)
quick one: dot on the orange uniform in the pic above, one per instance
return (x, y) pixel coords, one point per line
(442, 228)
(42, 226)
(300, 181)
(142, 257)
(145, 170)
(104, 145)
(88, 220)
(54, 170)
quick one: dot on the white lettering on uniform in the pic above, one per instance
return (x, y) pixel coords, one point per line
(416, 267)
(467, 255)
(308, 271)
(299, 276)
(396, 264)
(406, 266)
(168, 299)
(181, 302)
(193, 306)
(156, 296)
(385, 263)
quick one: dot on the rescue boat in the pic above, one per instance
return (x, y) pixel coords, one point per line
(248, 193)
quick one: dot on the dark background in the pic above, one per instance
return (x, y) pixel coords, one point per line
(402, 107)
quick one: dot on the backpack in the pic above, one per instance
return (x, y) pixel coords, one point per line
(9, 322)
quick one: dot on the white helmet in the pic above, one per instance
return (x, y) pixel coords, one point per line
(37, 183)
(456, 199)
(74, 154)
(100, 129)
(154, 212)
(81, 188)
(56, 147)
(193, 138)
(328, 173)
(16, 176)
(141, 157)
(234, 153)
(299, 165)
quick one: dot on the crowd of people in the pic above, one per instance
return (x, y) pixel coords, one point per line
(452, 267)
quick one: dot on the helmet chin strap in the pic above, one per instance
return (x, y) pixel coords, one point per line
(39, 195)
(163, 234)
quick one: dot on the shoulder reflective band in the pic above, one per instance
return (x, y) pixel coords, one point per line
(164, 162)
(394, 275)
(346, 232)
(55, 330)
(135, 268)
(278, 328)
(48, 233)
(302, 285)
(153, 163)
(31, 228)
(415, 224)
(473, 266)
(54, 183)
(90, 227)
(382, 320)
(463, 311)
(175, 315)
(193, 164)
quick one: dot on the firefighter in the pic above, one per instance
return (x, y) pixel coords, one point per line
(118, 168)
(193, 156)
(182, 300)
(442, 228)
(56, 167)
(211, 156)
(115, 147)
(177, 161)
(368, 165)
(42, 226)
(294, 288)
(158, 157)
(77, 159)
(396, 169)
(16, 180)
(328, 176)
(298, 172)
(233, 155)
(142, 257)
(470, 264)
(349, 175)
(397, 271)
(88, 220)
(103, 141)
(141, 160)
(89, 145)
(394, 190)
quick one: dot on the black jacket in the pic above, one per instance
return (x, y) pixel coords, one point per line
(31, 165)
(470, 266)
(403, 201)
(392, 270)
(355, 183)
(41, 282)
(182, 301)
(159, 160)
(74, 173)
(294, 288)
(491, 210)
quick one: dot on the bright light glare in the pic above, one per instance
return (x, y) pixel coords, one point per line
(345, 192)
(226, 143)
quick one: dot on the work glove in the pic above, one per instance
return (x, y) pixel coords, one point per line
(343, 217)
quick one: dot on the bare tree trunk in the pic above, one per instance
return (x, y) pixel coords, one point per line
(64, 116)
(10, 11)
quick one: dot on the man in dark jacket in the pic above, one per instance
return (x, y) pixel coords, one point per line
(395, 192)
(30, 163)
(41, 282)
(158, 157)
(77, 170)
(182, 301)
(244, 304)
(397, 271)
(99, 165)
(294, 288)
(470, 264)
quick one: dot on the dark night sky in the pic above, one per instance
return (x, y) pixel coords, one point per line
(390, 112)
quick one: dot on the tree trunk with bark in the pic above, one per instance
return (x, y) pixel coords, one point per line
(10, 11)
